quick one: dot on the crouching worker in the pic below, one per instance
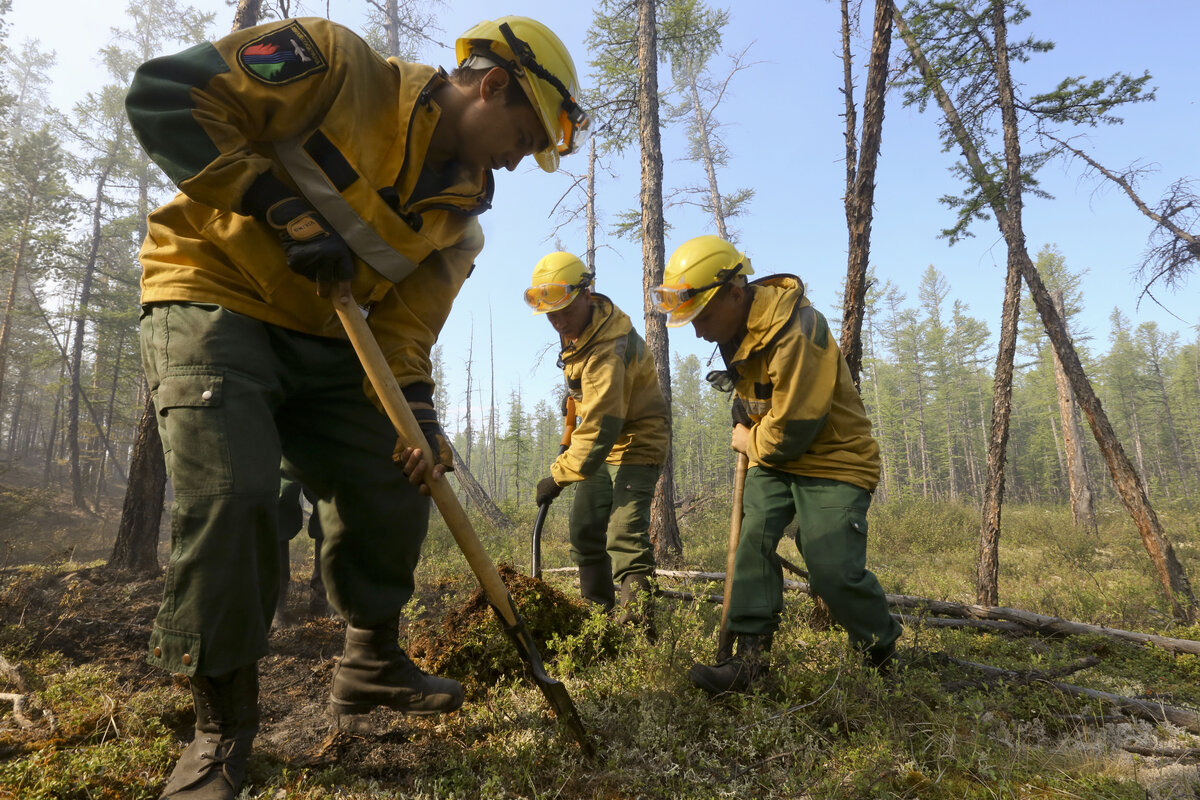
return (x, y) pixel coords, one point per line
(307, 164)
(811, 455)
(620, 444)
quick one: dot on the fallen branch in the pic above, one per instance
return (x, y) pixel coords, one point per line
(1015, 620)
(1041, 622)
(1163, 752)
(1014, 677)
(988, 625)
(1153, 712)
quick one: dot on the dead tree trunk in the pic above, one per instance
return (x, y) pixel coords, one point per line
(246, 15)
(1083, 511)
(860, 175)
(483, 502)
(136, 546)
(1174, 582)
(664, 530)
(987, 585)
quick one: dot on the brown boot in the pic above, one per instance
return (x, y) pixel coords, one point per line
(214, 764)
(374, 671)
(637, 604)
(596, 584)
(743, 672)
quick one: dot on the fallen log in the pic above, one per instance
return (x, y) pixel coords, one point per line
(988, 625)
(1012, 677)
(1041, 622)
(1153, 712)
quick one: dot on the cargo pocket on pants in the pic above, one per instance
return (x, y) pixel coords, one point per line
(191, 412)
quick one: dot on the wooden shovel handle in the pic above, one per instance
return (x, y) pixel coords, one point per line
(725, 639)
(396, 407)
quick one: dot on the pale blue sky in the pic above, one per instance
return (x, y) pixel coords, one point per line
(785, 139)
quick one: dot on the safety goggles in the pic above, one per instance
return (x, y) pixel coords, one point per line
(681, 302)
(573, 121)
(547, 297)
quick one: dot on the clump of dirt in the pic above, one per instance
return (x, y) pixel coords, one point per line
(465, 645)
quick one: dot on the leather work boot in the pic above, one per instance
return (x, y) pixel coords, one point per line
(375, 671)
(213, 766)
(745, 671)
(596, 584)
(637, 604)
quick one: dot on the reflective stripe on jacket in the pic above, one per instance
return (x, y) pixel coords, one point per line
(808, 417)
(216, 116)
(622, 413)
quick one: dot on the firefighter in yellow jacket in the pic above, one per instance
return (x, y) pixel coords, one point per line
(620, 444)
(800, 421)
(303, 157)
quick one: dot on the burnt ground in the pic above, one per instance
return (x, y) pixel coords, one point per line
(61, 607)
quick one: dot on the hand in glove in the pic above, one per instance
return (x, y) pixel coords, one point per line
(415, 460)
(547, 490)
(313, 248)
(741, 415)
(310, 244)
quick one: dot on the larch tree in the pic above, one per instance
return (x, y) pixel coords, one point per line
(691, 53)
(970, 53)
(624, 35)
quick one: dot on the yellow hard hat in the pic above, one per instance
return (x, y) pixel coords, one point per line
(543, 67)
(696, 270)
(557, 280)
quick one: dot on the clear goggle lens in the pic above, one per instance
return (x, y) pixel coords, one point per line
(576, 127)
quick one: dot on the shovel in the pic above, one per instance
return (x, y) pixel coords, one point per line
(724, 638)
(535, 561)
(381, 377)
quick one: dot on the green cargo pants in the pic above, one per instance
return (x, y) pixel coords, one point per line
(235, 398)
(832, 538)
(610, 518)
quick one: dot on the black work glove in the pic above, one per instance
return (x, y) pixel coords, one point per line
(740, 415)
(310, 244)
(547, 490)
(313, 248)
(420, 400)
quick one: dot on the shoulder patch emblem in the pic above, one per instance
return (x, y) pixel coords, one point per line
(283, 55)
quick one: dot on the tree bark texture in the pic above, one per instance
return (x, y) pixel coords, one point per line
(987, 582)
(1083, 510)
(246, 15)
(860, 179)
(664, 530)
(137, 536)
(1125, 479)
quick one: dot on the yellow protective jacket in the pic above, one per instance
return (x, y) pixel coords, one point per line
(808, 417)
(622, 413)
(311, 102)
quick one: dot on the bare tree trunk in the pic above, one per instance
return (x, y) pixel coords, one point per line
(14, 283)
(664, 530)
(136, 547)
(1083, 511)
(860, 179)
(1177, 452)
(987, 586)
(483, 502)
(590, 204)
(246, 15)
(1170, 573)
(85, 293)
